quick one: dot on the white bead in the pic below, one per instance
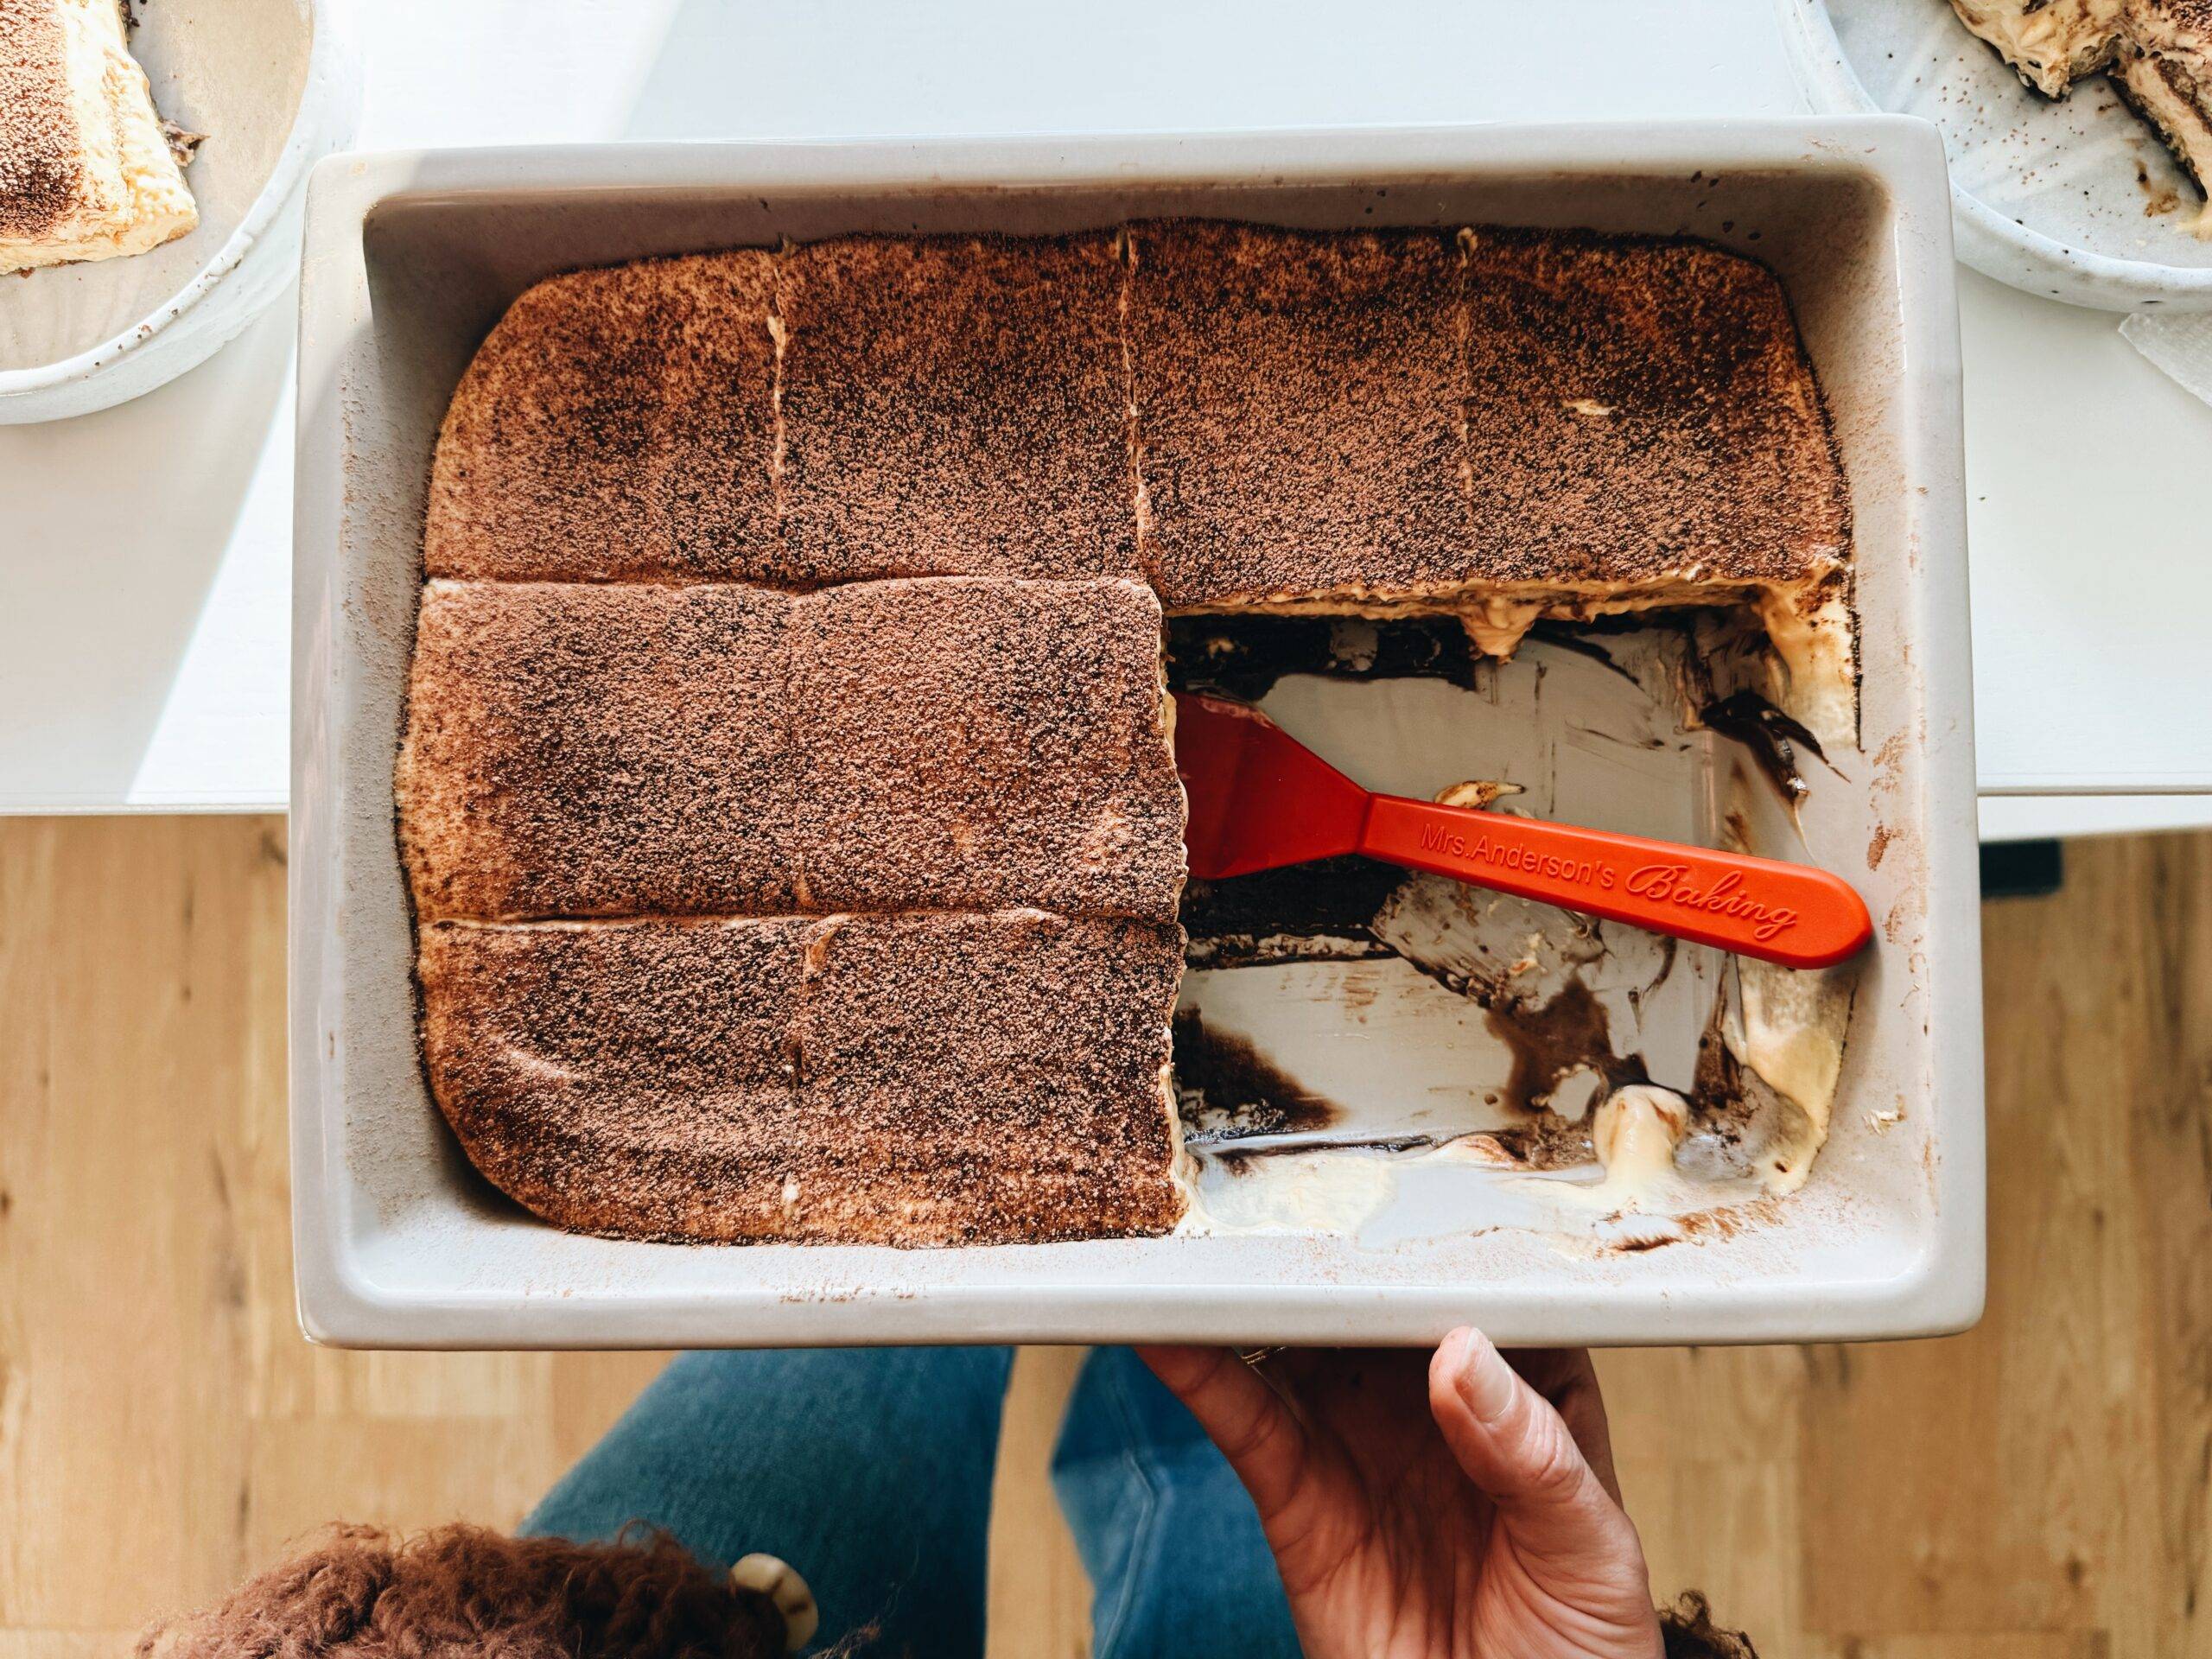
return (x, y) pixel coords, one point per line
(778, 1579)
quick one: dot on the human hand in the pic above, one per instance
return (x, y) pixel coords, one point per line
(1455, 1505)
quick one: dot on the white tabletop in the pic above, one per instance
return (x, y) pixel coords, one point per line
(144, 552)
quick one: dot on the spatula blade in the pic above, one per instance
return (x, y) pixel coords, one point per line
(1259, 799)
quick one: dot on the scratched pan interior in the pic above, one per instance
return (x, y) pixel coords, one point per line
(411, 257)
(1344, 1028)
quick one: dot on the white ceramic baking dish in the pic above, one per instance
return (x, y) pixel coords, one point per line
(409, 260)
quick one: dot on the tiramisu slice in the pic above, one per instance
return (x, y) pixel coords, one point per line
(954, 406)
(592, 749)
(907, 1080)
(974, 743)
(1644, 430)
(1500, 424)
(578, 749)
(2158, 54)
(626, 1077)
(615, 423)
(998, 1077)
(2165, 74)
(1297, 403)
(86, 169)
(2052, 43)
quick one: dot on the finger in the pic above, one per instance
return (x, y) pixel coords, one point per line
(1262, 1439)
(1567, 1378)
(1516, 1447)
(1552, 1372)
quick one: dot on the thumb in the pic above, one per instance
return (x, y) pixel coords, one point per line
(1518, 1450)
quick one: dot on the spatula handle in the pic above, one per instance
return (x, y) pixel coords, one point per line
(1779, 913)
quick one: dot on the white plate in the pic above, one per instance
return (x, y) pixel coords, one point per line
(2074, 198)
(271, 84)
(411, 257)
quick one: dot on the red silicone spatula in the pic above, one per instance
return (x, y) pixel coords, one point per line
(1260, 800)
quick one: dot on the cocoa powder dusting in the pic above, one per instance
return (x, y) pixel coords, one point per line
(954, 406)
(42, 158)
(908, 1080)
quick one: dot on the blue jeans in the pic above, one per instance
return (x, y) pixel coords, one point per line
(869, 1471)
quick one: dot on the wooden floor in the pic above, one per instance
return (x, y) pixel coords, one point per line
(2035, 1490)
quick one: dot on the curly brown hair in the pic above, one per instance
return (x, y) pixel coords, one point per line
(360, 1593)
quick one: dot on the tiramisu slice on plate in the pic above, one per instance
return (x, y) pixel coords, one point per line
(2165, 74)
(86, 171)
(2158, 54)
(2053, 43)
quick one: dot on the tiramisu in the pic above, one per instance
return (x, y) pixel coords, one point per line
(2165, 71)
(706, 748)
(2158, 54)
(2052, 43)
(1505, 425)
(86, 171)
(1299, 409)
(925, 1079)
(953, 405)
(896, 865)
(1009, 1068)
(616, 424)
(974, 743)
(787, 792)
(597, 749)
